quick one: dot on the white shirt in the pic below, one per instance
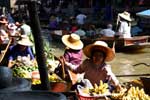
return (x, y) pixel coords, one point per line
(81, 19)
(26, 29)
(125, 29)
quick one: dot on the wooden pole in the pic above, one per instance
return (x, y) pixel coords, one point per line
(39, 48)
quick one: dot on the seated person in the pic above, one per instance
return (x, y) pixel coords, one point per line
(108, 32)
(21, 49)
(80, 32)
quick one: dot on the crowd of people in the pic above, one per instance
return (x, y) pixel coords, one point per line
(18, 38)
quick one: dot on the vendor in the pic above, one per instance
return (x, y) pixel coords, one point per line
(73, 53)
(124, 26)
(95, 66)
(21, 49)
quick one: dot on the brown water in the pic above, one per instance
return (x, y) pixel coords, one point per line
(122, 64)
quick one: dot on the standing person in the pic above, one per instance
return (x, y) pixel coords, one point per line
(95, 66)
(108, 32)
(124, 25)
(81, 18)
(21, 49)
(25, 28)
(73, 52)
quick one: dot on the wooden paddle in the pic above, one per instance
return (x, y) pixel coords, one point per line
(63, 67)
(4, 51)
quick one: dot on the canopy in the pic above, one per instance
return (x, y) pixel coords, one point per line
(145, 13)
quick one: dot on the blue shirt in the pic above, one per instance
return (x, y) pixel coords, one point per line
(15, 52)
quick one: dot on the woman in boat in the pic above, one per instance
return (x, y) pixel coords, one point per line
(20, 51)
(124, 24)
(95, 67)
(73, 53)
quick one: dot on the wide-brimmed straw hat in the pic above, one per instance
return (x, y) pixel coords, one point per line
(101, 46)
(72, 41)
(25, 41)
(125, 15)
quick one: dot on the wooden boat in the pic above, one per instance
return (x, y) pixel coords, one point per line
(133, 44)
(127, 44)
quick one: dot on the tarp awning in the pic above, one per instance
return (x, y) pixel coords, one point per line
(145, 13)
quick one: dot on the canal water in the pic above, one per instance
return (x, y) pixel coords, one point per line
(122, 65)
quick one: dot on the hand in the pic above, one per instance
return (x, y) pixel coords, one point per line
(62, 59)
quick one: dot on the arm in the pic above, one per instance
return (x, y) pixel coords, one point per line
(30, 52)
(112, 77)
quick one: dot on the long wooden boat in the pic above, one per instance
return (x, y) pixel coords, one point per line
(133, 44)
(127, 44)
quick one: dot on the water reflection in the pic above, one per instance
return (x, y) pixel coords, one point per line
(123, 63)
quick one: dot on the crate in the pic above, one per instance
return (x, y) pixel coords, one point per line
(146, 83)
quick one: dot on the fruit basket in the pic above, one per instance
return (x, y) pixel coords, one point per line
(96, 92)
(80, 97)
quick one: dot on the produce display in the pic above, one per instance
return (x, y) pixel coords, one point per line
(100, 89)
(133, 93)
(52, 78)
(25, 68)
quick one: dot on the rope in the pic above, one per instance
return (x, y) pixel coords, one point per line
(148, 65)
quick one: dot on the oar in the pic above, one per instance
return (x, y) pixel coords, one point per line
(63, 67)
(4, 52)
(133, 75)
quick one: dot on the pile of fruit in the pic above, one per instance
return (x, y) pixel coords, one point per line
(96, 90)
(133, 93)
(23, 67)
(52, 78)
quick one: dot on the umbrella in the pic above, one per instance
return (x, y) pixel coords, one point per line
(145, 13)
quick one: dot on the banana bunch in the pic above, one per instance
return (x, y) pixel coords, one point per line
(118, 96)
(52, 78)
(102, 88)
(36, 81)
(134, 93)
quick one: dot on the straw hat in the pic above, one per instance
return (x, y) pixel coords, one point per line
(125, 15)
(72, 41)
(102, 46)
(25, 41)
